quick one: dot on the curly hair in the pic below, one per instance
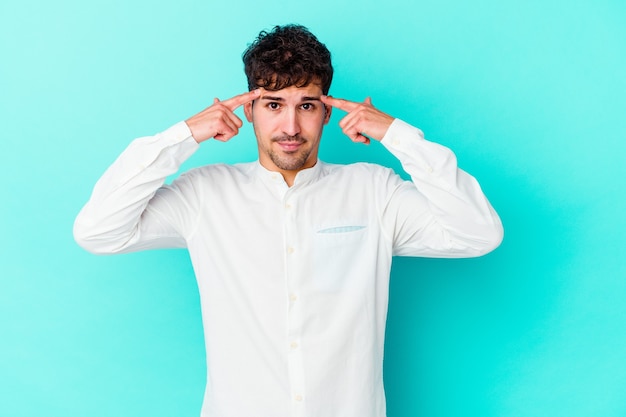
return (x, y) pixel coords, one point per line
(287, 56)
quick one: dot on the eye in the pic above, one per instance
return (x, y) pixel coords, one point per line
(273, 105)
(308, 106)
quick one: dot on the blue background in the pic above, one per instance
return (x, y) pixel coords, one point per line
(530, 96)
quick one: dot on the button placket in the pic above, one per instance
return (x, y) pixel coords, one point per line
(294, 316)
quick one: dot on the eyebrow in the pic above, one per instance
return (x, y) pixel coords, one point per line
(305, 98)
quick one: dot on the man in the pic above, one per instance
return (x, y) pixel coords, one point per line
(292, 255)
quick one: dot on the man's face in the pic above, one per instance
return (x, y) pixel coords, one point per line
(288, 124)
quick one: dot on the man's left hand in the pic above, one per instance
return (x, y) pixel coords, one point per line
(363, 120)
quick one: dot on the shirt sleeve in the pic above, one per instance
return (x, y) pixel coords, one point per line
(442, 212)
(116, 218)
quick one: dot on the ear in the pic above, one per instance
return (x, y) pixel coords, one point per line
(247, 110)
(329, 111)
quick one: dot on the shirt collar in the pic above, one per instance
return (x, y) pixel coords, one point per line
(304, 176)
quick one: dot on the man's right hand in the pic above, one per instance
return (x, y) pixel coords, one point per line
(219, 121)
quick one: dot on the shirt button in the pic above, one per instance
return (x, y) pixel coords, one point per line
(290, 250)
(293, 345)
(293, 297)
(288, 206)
(298, 398)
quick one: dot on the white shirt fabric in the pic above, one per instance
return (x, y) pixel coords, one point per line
(294, 280)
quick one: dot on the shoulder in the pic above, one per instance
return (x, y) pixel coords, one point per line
(361, 169)
(214, 178)
(369, 177)
(219, 171)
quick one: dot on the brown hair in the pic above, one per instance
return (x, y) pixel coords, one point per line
(288, 55)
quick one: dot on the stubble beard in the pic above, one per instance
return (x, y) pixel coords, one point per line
(290, 161)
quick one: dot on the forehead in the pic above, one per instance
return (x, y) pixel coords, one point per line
(293, 93)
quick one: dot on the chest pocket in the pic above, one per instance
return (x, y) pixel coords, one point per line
(336, 253)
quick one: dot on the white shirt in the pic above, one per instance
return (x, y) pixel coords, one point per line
(294, 280)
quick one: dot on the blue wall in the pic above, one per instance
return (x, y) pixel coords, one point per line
(530, 95)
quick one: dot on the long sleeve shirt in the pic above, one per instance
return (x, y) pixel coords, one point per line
(293, 280)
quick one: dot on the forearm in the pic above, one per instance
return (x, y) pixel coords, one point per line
(462, 218)
(110, 221)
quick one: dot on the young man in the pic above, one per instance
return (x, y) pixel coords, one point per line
(292, 255)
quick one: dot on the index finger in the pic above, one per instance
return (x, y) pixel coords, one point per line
(241, 99)
(339, 103)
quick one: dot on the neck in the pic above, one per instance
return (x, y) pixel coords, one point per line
(289, 175)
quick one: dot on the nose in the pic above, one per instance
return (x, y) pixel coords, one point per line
(290, 124)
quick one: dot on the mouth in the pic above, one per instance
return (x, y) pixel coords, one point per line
(289, 145)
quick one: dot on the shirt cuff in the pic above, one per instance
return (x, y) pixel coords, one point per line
(398, 131)
(419, 157)
(178, 134)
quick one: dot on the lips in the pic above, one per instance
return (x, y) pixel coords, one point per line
(289, 145)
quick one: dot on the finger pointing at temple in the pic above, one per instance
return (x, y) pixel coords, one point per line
(363, 120)
(241, 99)
(219, 121)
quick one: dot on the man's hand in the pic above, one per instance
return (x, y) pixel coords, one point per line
(219, 121)
(363, 121)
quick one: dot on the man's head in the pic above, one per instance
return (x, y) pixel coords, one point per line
(287, 56)
(292, 69)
